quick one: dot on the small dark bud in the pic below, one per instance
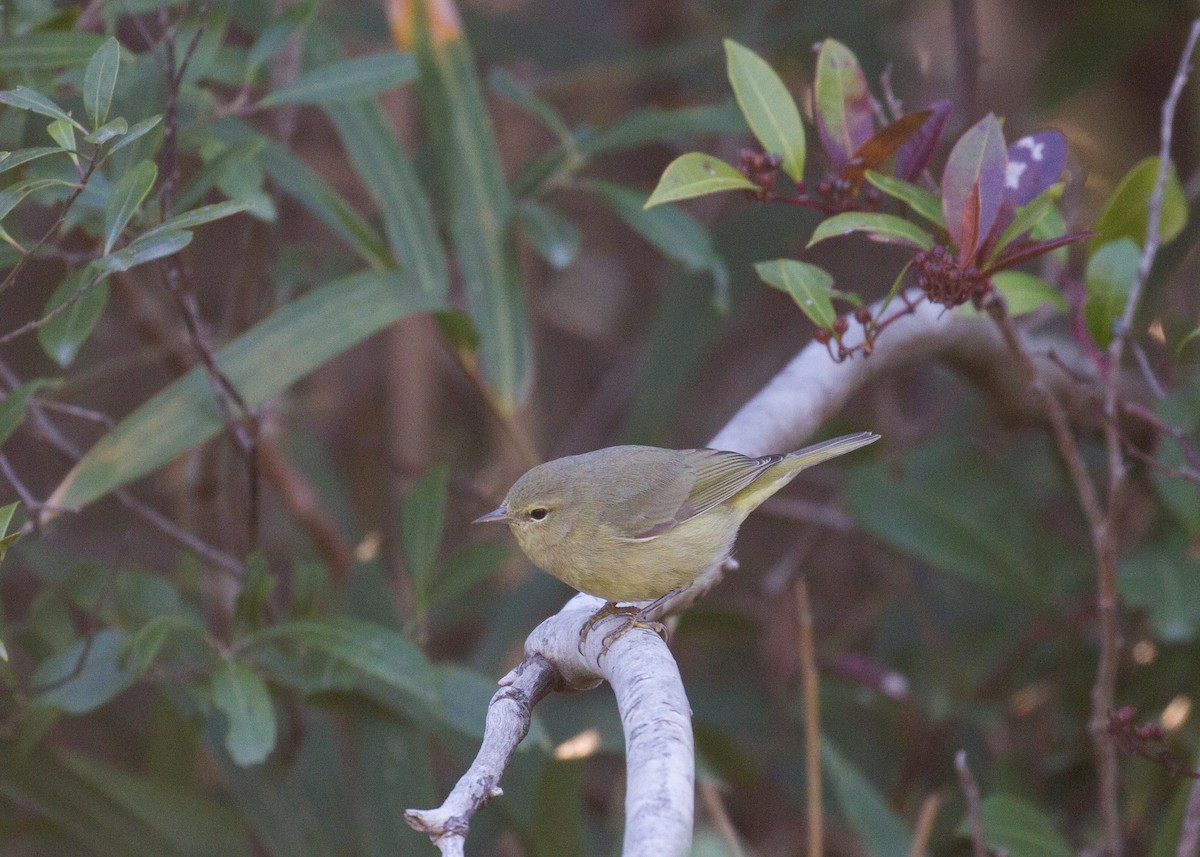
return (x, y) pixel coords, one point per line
(822, 335)
(862, 315)
(840, 325)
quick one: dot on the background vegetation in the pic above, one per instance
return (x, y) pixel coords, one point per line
(284, 307)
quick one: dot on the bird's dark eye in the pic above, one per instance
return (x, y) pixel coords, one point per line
(539, 514)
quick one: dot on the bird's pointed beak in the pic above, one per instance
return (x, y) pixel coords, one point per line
(500, 515)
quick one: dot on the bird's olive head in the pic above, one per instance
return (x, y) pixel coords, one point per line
(540, 508)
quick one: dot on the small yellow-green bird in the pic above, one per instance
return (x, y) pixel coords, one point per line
(633, 523)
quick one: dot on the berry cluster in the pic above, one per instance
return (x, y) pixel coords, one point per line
(947, 283)
(1147, 740)
(760, 167)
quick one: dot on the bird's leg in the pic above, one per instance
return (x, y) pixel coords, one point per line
(635, 617)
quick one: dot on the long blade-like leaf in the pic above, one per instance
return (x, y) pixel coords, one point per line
(269, 358)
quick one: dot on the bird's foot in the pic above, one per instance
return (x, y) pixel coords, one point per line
(634, 618)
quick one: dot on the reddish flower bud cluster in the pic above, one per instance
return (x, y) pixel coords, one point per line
(760, 167)
(1147, 740)
(945, 282)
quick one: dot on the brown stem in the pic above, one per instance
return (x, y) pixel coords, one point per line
(971, 792)
(812, 722)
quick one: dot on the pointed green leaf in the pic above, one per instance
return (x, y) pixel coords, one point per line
(422, 517)
(63, 133)
(1110, 274)
(886, 228)
(768, 107)
(347, 80)
(242, 695)
(675, 233)
(195, 217)
(1163, 578)
(145, 644)
(377, 653)
(100, 79)
(881, 831)
(47, 50)
(24, 156)
(232, 158)
(141, 251)
(809, 286)
(277, 34)
(914, 196)
(480, 206)
(1028, 217)
(63, 336)
(125, 199)
(842, 107)
(12, 413)
(697, 174)
(1186, 341)
(550, 232)
(1012, 825)
(139, 130)
(108, 131)
(1025, 292)
(82, 677)
(267, 359)
(24, 98)
(13, 194)
(1126, 211)
(6, 516)
(501, 82)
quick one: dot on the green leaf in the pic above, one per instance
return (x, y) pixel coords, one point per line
(1029, 216)
(808, 285)
(914, 196)
(6, 516)
(125, 199)
(195, 217)
(63, 133)
(24, 156)
(842, 108)
(768, 107)
(1011, 824)
(882, 832)
(676, 234)
(480, 206)
(1111, 271)
(697, 174)
(100, 79)
(6, 541)
(24, 98)
(347, 80)
(387, 172)
(422, 517)
(47, 50)
(464, 569)
(887, 228)
(1164, 579)
(242, 695)
(1025, 292)
(12, 195)
(144, 250)
(12, 408)
(146, 643)
(63, 336)
(501, 82)
(1186, 341)
(108, 131)
(1126, 211)
(267, 359)
(550, 232)
(956, 511)
(99, 678)
(224, 164)
(139, 130)
(378, 653)
(277, 34)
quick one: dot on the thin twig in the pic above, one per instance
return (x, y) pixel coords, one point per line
(926, 818)
(31, 326)
(971, 792)
(1104, 689)
(1189, 833)
(812, 723)
(715, 806)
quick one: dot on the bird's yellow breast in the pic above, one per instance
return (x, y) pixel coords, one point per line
(604, 564)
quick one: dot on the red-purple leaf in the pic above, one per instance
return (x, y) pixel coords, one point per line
(973, 185)
(914, 155)
(1027, 250)
(880, 147)
(1034, 163)
(843, 103)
